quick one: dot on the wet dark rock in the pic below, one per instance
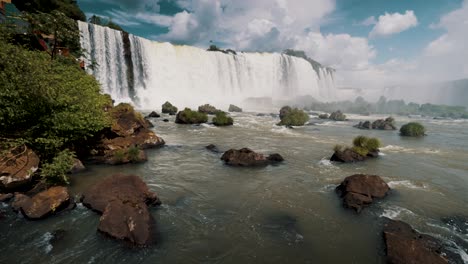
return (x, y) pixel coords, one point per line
(17, 167)
(406, 245)
(154, 115)
(123, 201)
(57, 237)
(347, 156)
(283, 226)
(207, 109)
(323, 116)
(275, 157)
(337, 116)
(261, 114)
(213, 148)
(166, 120)
(284, 111)
(233, 108)
(387, 124)
(43, 204)
(359, 190)
(5, 197)
(77, 166)
(247, 157)
(364, 125)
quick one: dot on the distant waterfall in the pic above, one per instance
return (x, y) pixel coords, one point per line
(189, 76)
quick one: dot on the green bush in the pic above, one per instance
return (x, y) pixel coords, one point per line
(221, 119)
(55, 173)
(133, 154)
(373, 144)
(168, 108)
(50, 104)
(191, 117)
(294, 117)
(360, 150)
(119, 156)
(365, 143)
(413, 129)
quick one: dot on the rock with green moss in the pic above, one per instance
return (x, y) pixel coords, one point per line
(233, 108)
(413, 129)
(337, 116)
(293, 117)
(187, 116)
(222, 119)
(168, 108)
(362, 149)
(207, 109)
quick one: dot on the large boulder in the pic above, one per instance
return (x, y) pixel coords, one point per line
(359, 190)
(17, 167)
(44, 203)
(129, 130)
(337, 116)
(153, 114)
(233, 108)
(207, 109)
(77, 166)
(247, 157)
(347, 155)
(384, 124)
(406, 246)
(187, 116)
(364, 125)
(123, 200)
(168, 108)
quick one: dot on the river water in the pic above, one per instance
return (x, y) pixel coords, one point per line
(289, 213)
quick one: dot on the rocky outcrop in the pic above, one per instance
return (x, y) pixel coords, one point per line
(168, 108)
(359, 190)
(4, 197)
(380, 124)
(337, 116)
(207, 109)
(153, 115)
(187, 116)
(44, 203)
(213, 148)
(347, 156)
(323, 116)
(233, 108)
(405, 245)
(123, 201)
(129, 130)
(17, 167)
(247, 157)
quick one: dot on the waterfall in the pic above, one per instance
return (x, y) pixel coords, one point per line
(190, 76)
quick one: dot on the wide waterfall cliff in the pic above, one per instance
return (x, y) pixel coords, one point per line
(149, 73)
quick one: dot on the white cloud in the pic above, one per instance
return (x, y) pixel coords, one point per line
(390, 24)
(368, 21)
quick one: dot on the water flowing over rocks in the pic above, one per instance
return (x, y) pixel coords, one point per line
(358, 191)
(44, 203)
(406, 245)
(122, 200)
(17, 167)
(247, 157)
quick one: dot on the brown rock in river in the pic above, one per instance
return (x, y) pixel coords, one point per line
(407, 246)
(247, 157)
(359, 190)
(17, 167)
(44, 203)
(347, 156)
(123, 200)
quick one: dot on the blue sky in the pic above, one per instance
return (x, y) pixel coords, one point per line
(385, 38)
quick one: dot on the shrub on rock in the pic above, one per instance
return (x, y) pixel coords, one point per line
(413, 129)
(187, 116)
(363, 148)
(221, 119)
(168, 108)
(293, 117)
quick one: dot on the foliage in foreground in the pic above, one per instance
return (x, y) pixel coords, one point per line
(293, 117)
(221, 119)
(69, 7)
(413, 129)
(55, 173)
(50, 104)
